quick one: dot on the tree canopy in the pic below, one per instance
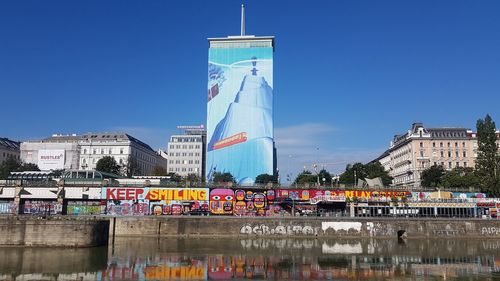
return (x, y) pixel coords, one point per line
(266, 178)
(488, 158)
(108, 164)
(219, 177)
(432, 176)
(364, 171)
(12, 165)
(306, 177)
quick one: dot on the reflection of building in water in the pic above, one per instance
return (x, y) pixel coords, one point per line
(272, 267)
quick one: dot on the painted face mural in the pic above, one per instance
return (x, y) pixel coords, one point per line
(270, 195)
(240, 195)
(221, 201)
(259, 200)
(240, 208)
(249, 196)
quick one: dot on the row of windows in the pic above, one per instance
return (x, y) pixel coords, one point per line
(94, 160)
(7, 155)
(182, 169)
(184, 161)
(101, 151)
(185, 154)
(186, 139)
(441, 153)
(450, 164)
(184, 146)
(441, 144)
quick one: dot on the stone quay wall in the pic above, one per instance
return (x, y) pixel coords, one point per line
(53, 231)
(304, 227)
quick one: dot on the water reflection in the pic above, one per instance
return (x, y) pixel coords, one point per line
(258, 259)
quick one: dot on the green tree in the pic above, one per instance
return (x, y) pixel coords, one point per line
(223, 178)
(462, 177)
(28, 167)
(488, 158)
(192, 177)
(347, 177)
(108, 164)
(266, 178)
(306, 177)
(174, 177)
(432, 176)
(376, 170)
(324, 174)
(159, 171)
(9, 165)
(131, 167)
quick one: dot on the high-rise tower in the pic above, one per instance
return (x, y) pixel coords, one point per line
(240, 136)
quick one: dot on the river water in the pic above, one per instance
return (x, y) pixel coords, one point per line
(259, 259)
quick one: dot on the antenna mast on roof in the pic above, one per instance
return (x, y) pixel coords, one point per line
(242, 20)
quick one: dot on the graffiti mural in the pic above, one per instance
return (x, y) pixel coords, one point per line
(222, 201)
(40, 207)
(8, 207)
(83, 208)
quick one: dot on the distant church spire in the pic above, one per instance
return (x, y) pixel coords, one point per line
(242, 20)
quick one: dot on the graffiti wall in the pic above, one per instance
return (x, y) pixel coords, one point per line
(41, 207)
(155, 201)
(8, 207)
(84, 208)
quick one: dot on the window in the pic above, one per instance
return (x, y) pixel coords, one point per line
(190, 161)
(110, 151)
(463, 144)
(102, 151)
(449, 165)
(190, 169)
(177, 161)
(190, 146)
(456, 153)
(183, 169)
(440, 144)
(84, 152)
(83, 161)
(121, 161)
(448, 144)
(121, 150)
(95, 151)
(457, 164)
(421, 154)
(184, 154)
(456, 144)
(178, 146)
(177, 169)
(464, 153)
(171, 169)
(421, 144)
(197, 146)
(171, 146)
(197, 161)
(449, 153)
(465, 164)
(433, 144)
(442, 155)
(184, 146)
(171, 154)
(435, 163)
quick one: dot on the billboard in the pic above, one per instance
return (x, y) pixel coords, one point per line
(51, 159)
(240, 112)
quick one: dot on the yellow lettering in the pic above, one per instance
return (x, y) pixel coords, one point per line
(162, 194)
(153, 194)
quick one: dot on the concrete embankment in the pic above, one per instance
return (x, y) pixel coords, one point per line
(303, 227)
(53, 231)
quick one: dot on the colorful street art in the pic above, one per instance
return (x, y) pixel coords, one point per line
(83, 208)
(40, 207)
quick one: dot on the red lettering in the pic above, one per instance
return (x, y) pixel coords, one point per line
(130, 194)
(138, 192)
(110, 193)
(120, 194)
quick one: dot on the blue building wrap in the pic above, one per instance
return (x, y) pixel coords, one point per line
(240, 113)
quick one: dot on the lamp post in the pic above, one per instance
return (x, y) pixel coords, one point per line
(354, 178)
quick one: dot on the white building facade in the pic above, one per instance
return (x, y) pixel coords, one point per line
(83, 151)
(186, 152)
(55, 153)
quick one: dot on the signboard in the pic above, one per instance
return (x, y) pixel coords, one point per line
(240, 112)
(52, 159)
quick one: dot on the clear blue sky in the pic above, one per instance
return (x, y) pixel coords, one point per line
(348, 75)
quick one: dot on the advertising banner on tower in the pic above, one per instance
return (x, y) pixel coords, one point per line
(51, 159)
(240, 112)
